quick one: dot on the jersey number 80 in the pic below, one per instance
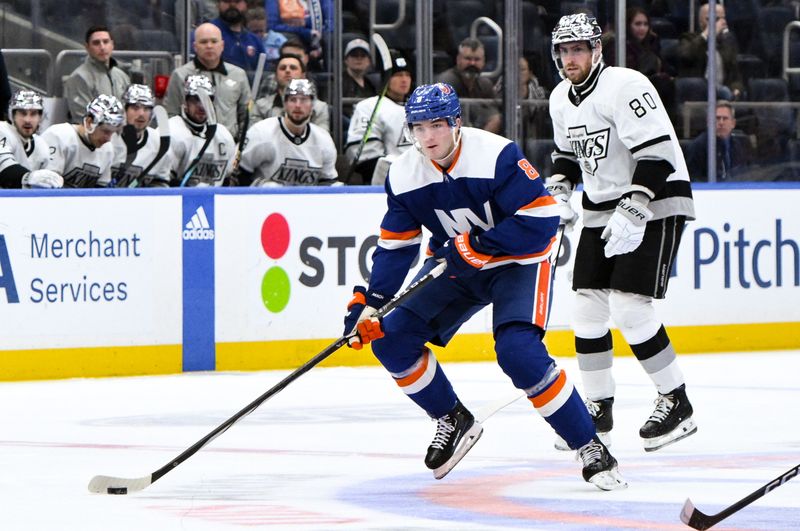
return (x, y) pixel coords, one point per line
(638, 109)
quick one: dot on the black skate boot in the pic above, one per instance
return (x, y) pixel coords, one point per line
(456, 433)
(600, 411)
(670, 422)
(599, 466)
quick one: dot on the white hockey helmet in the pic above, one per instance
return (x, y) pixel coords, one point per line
(300, 87)
(105, 109)
(576, 28)
(195, 83)
(25, 100)
(138, 95)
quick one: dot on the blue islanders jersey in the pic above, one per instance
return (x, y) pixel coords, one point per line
(489, 186)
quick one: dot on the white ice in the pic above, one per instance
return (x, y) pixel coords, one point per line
(342, 448)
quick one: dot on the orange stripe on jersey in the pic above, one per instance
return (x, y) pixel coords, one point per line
(542, 295)
(452, 164)
(414, 376)
(543, 201)
(551, 392)
(407, 235)
(545, 252)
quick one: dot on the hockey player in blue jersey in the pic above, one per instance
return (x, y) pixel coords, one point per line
(494, 224)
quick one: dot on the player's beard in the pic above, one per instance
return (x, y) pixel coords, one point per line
(299, 122)
(232, 16)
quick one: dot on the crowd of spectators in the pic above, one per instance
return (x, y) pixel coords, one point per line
(659, 43)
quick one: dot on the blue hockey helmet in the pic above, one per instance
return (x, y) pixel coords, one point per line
(433, 102)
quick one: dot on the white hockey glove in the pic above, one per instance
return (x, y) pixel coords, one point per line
(42, 179)
(561, 190)
(625, 229)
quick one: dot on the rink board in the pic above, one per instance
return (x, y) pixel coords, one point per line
(95, 283)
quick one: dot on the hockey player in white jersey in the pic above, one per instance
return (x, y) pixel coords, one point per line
(127, 168)
(612, 133)
(23, 154)
(202, 150)
(83, 153)
(289, 150)
(388, 135)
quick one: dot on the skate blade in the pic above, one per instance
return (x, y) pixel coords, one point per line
(609, 480)
(684, 429)
(467, 442)
(561, 445)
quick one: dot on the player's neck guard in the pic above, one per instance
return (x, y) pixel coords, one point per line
(578, 93)
(194, 127)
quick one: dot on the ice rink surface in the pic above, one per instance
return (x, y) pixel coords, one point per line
(342, 448)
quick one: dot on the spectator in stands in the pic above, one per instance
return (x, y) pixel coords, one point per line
(202, 154)
(272, 40)
(292, 17)
(242, 47)
(24, 156)
(643, 53)
(289, 150)
(355, 82)
(465, 77)
(535, 119)
(289, 67)
(230, 81)
(693, 55)
(83, 153)
(98, 74)
(129, 166)
(734, 152)
(5, 88)
(388, 136)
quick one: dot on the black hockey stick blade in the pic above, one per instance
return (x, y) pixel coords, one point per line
(119, 485)
(696, 519)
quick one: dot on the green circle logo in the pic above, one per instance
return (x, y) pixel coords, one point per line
(275, 289)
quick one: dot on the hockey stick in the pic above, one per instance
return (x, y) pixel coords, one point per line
(698, 520)
(262, 59)
(386, 60)
(131, 140)
(115, 485)
(211, 130)
(163, 136)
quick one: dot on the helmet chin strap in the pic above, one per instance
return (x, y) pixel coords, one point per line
(597, 60)
(456, 132)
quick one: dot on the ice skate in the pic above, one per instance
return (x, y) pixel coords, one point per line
(600, 411)
(599, 466)
(456, 433)
(670, 422)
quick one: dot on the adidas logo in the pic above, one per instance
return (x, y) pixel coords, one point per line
(198, 227)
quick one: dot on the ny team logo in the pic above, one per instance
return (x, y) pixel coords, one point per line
(275, 287)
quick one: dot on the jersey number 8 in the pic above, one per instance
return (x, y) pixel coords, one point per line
(639, 109)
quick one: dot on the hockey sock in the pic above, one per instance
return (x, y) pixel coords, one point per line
(595, 359)
(561, 406)
(659, 361)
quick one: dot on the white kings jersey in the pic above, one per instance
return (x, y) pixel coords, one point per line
(216, 162)
(276, 157)
(32, 154)
(388, 136)
(614, 122)
(146, 152)
(81, 165)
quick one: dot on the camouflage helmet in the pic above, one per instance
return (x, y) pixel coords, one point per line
(105, 109)
(195, 83)
(576, 28)
(24, 100)
(300, 87)
(138, 95)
